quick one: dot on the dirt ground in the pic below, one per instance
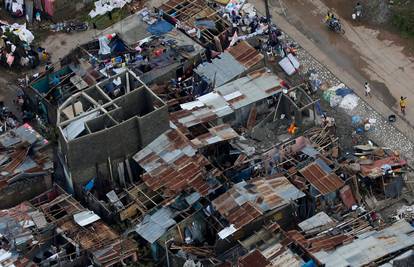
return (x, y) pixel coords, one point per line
(377, 16)
(367, 53)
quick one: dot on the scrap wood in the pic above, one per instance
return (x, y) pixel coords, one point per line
(179, 232)
(251, 121)
(18, 158)
(202, 251)
(240, 159)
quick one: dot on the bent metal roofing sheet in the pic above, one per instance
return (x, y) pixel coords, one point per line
(244, 202)
(172, 164)
(324, 182)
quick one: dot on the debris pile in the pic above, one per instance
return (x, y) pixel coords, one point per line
(15, 46)
(199, 145)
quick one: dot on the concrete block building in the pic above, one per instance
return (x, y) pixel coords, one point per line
(101, 127)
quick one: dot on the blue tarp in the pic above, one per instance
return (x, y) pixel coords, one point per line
(89, 185)
(343, 91)
(318, 107)
(117, 46)
(356, 120)
(310, 263)
(160, 27)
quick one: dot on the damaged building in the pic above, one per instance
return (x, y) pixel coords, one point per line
(53, 229)
(25, 159)
(198, 152)
(104, 125)
(152, 56)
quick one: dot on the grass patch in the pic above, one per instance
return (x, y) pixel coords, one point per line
(403, 17)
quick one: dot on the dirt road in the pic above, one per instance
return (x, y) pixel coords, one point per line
(364, 53)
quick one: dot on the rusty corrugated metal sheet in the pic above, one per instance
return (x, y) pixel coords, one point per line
(245, 54)
(243, 215)
(187, 118)
(347, 196)
(324, 182)
(244, 202)
(374, 170)
(172, 164)
(255, 259)
(216, 134)
(319, 243)
(17, 158)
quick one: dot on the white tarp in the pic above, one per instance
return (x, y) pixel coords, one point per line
(86, 217)
(294, 61)
(228, 231)
(287, 66)
(20, 30)
(349, 102)
(104, 6)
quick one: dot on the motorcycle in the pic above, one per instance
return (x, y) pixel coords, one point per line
(69, 26)
(335, 25)
(75, 27)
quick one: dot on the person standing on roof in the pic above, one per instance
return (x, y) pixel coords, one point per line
(403, 104)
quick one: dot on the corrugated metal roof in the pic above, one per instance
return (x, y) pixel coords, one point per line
(319, 243)
(244, 53)
(221, 70)
(254, 87)
(185, 118)
(375, 169)
(216, 134)
(280, 186)
(316, 221)
(370, 246)
(254, 258)
(226, 99)
(286, 258)
(246, 200)
(23, 133)
(323, 182)
(85, 217)
(154, 226)
(230, 64)
(171, 164)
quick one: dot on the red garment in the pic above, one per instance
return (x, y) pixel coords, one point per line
(49, 6)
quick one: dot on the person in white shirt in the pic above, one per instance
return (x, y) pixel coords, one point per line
(367, 89)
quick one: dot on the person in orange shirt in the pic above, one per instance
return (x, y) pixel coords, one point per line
(292, 128)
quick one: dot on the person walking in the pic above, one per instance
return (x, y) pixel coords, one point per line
(367, 89)
(403, 104)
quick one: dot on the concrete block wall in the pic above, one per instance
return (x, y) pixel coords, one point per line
(140, 123)
(24, 190)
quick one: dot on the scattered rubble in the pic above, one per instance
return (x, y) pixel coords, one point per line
(185, 149)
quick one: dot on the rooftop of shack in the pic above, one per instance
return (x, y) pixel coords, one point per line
(369, 246)
(230, 64)
(173, 164)
(23, 154)
(246, 201)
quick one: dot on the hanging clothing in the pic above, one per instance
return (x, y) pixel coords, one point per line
(38, 5)
(8, 4)
(29, 10)
(49, 8)
(10, 59)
